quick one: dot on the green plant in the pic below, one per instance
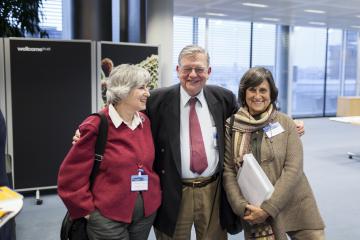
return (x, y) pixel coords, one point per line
(152, 65)
(19, 18)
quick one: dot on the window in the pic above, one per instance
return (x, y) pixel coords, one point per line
(183, 35)
(202, 32)
(52, 18)
(229, 49)
(333, 70)
(263, 49)
(350, 63)
(321, 69)
(308, 46)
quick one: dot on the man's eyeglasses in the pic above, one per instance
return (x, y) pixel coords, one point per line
(188, 70)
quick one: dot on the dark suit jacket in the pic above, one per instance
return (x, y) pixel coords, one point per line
(163, 109)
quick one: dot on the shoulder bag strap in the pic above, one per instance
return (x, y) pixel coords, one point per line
(100, 145)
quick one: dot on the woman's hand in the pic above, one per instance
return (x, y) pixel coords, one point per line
(87, 217)
(255, 215)
(76, 137)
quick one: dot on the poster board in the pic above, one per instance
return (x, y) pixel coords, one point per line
(50, 89)
(114, 54)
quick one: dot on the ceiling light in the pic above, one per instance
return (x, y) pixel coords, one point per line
(358, 16)
(270, 19)
(255, 5)
(317, 23)
(216, 14)
(355, 26)
(314, 11)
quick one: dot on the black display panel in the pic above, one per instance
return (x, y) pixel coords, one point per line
(51, 95)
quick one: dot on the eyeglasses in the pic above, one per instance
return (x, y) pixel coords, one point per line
(188, 70)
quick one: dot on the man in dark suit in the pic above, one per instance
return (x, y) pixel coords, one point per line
(189, 197)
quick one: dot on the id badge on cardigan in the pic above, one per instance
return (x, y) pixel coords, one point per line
(139, 182)
(273, 129)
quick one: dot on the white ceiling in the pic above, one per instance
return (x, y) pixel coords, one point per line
(338, 13)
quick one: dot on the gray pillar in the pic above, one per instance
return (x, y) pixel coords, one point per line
(137, 21)
(92, 20)
(133, 21)
(282, 65)
(124, 20)
(159, 26)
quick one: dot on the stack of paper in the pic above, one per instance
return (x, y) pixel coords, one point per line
(253, 182)
(10, 204)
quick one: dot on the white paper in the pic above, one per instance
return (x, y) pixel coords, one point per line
(12, 206)
(253, 182)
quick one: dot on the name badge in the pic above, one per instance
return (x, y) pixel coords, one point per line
(139, 183)
(215, 137)
(273, 129)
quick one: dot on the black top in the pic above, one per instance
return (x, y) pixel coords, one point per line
(3, 176)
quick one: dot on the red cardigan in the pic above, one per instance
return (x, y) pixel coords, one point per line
(111, 193)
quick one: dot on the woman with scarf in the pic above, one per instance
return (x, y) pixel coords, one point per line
(292, 208)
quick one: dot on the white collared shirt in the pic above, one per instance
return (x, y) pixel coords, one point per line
(208, 130)
(117, 120)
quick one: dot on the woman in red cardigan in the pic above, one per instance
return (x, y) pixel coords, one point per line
(126, 192)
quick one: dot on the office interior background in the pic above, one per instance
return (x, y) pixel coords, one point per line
(311, 47)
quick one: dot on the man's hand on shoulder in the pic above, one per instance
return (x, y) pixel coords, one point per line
(76, 137)
(300, 127)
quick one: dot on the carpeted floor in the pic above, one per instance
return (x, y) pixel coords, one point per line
(334, 177)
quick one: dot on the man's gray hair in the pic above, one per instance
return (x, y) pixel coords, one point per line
(192, 50)
(123, 79)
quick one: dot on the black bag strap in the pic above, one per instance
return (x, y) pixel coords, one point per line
(99, 146)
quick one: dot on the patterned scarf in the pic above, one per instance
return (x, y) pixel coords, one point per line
(245, 126)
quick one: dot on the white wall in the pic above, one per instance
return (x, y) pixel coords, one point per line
(160, 32)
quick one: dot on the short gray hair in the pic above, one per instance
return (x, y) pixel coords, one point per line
(123, 79)
(192, 50)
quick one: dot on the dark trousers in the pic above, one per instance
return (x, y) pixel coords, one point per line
(100, 227)
(7, 231)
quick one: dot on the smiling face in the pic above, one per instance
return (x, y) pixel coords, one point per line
(136, 100)
(193, 73)
(258, 98)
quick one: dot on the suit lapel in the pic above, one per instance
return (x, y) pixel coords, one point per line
(173, 124)
(216, 111)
